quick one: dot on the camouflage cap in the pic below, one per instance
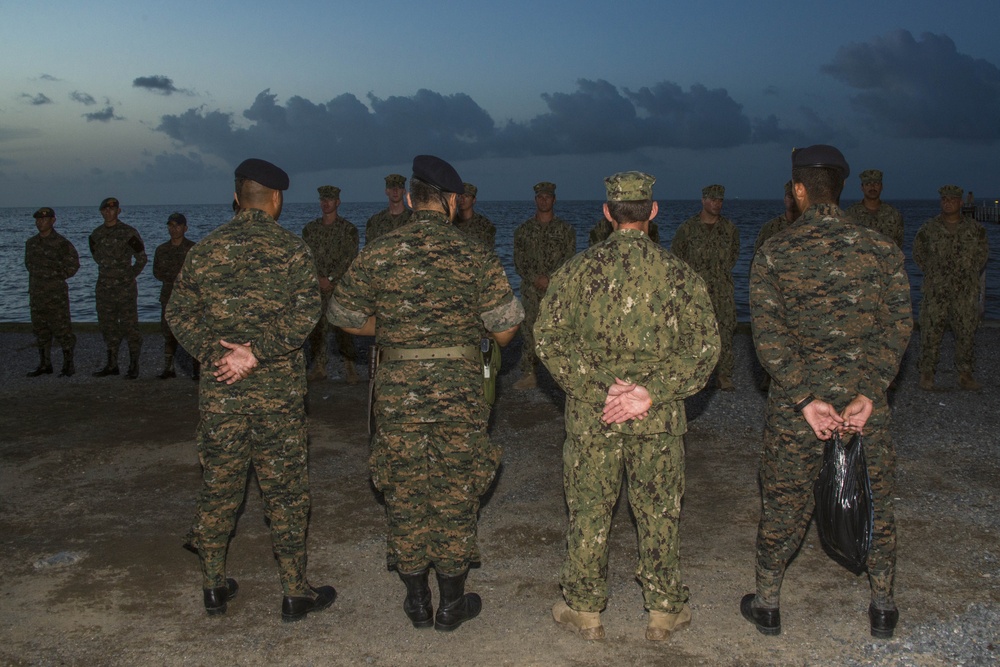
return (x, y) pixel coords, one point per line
(328, 192)
(788, 188)
(629, 186)
(178, 218)
(261, 171)
(950, 191)
(44, 212)
(546, 187)
(109, 202)
(713, 192)
(820, 155)
(470, 189)
(395, 181)
(870, 176)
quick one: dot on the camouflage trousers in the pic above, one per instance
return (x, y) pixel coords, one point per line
(938, 312)
(169, 340)
(790, 464)
(50, 317)
(432, 476)
(118, 314)
(724, 304)
(531, 300)
(318, 337)
(592, 477)
(276, 444)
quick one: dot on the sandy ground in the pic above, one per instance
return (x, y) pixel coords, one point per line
(105, 471)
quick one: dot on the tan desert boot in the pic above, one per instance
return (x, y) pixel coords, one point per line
(726, 383)
(967, 382)
(317, 373)
(527, 381)
(587, 623)
(352, 372)
(662, 624)
(927, 381)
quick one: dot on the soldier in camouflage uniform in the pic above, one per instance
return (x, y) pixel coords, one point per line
(167, 262)
(245, 302)
(830, 308)
(393, 217)
(434, 291)
(874, 213)
(542, 244)
(951, 250)
(602, 230)
(710, 243)
(334, 244)
(628, 331)
(472, 223)
(120, 255)
(50, 260)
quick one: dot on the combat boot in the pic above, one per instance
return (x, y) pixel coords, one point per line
(44, 363)
(456, 606)
(168, 368)
(133, 365)
(967, 382)
(662, 624)
(528, 381)
(417, 604)
(318, 372)
(725, 383)
(111, 367)
(927, 381)
(67, 368)
(352, 372)
(586, 623)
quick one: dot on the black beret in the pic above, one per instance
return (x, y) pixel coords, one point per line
(263, 172)
(437, 173)
(820, 155)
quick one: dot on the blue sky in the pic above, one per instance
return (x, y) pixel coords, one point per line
(155, 103)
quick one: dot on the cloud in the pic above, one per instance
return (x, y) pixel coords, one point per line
(922, 89)
(48, 77)
(177, 168)
(105, 115)
(82, 98)
(37, 100)
(158, 84)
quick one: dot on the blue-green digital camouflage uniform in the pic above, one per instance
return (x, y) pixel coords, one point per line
(539, 249)
(334, 247)
(886, 221)
(120, 255)
(50, 261)
(602, 229)
(951, 258)
(626, 309)
(712, 250)
(250, 280)
(429, 287)
(167, 262)
(830, 309)
(384, 222)
(478, 227)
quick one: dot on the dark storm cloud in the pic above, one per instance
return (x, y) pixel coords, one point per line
(105, 115)
(922, 89)
(82, 98)
(345, 132)
(36, 100)
(163, 85)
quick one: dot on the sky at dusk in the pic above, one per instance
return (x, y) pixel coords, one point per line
(155, 103)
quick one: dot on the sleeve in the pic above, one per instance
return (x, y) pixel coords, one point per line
(521, 252)
(734, 247)
(138, 252)
(353, 300)
(500, 309)
(891, 335)
(900, 226)
(71, 261)
(186, 314)
(289, 330)
(569, 244)
(679, 244)
(159, 271)
(921, 249)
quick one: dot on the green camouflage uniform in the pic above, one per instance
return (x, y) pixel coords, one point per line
(478, 227)
(629, 309)
(602, 229)
(712, 251)
(886, 221)
(951, 257)
(384, 222)
(120, 256)
(429, 287)
(250, 280)
(830, 309)
(50, 261)
(167, 262)
(334, 247)
(539, 249)
(769, 229)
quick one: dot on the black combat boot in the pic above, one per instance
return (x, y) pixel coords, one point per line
(417, 604)
(168, 367)
(217, 599)
(456, 606)
(44, 363)
(133, 365)
(68, 368)
(111, 367)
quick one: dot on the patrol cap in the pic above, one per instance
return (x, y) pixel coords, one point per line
(263, 172)
(820, 155)
(437, 173)
(870, 176)
(395, 181)
(629, 186)
(178, 218)
(788, 188)
(328, 192)
(949, 191)
(546, 187)
(109, 202)
(713, 192)
(44, 212)
(470, 189)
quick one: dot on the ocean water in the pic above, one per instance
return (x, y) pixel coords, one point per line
(76, 224)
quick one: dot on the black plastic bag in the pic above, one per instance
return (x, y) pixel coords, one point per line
(844, 514)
